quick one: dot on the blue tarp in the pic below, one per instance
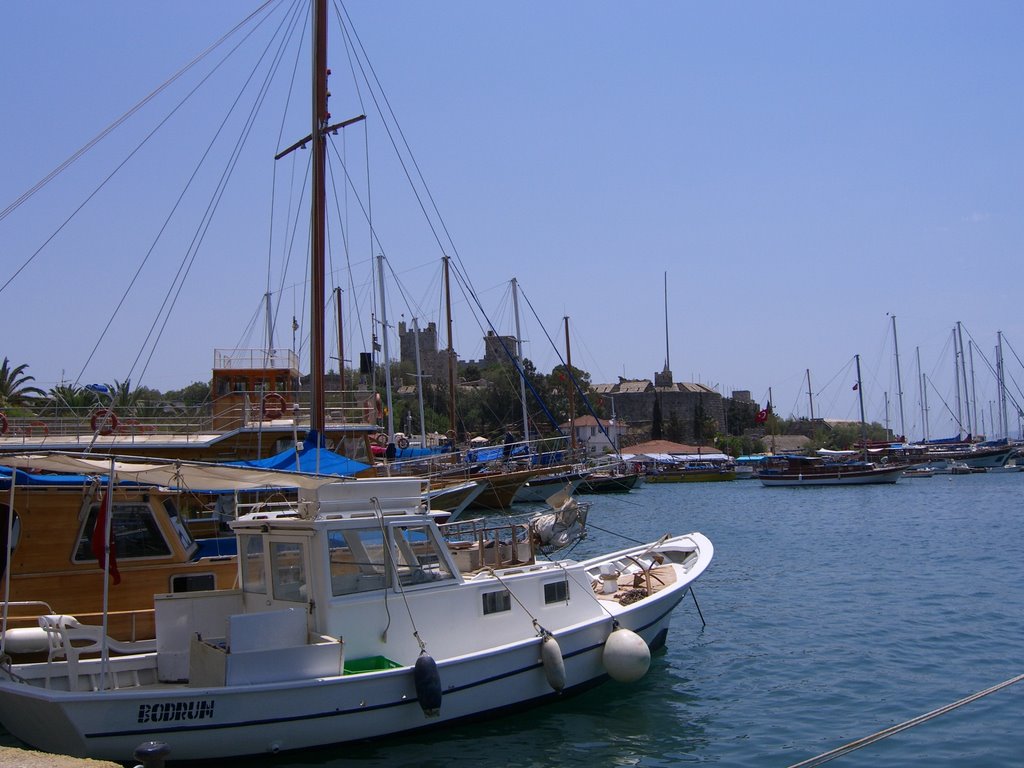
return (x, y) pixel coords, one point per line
(307, 460)
(24, 478)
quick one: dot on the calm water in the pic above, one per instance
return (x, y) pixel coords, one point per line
(831, 613)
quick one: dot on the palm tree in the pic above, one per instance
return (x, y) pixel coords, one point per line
(15, 389)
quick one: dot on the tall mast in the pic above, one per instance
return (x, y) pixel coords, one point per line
(451, 350)
(341, 340)
(1001, 372)
(270, 326)
(863, 424)
(572, 389)
(317, 216)
(923, 396)
(899, 379)
(384, 342)
(810, 397)
(963, 372)
(956, 380)
(974, 391)
(519, 356)
(419, 382)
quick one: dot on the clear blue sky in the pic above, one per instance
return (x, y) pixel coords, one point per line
(800, 170)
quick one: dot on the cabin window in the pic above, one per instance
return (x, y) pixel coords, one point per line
(556, 592)
(496, 602)
(192, 582)
(418, 559)
(135, 531)
(357, 561)
(288, 569)
(250, 550)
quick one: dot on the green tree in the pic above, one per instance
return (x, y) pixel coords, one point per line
(16, 388)
(656, 430)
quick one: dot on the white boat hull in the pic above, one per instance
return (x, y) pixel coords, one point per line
(217, 722)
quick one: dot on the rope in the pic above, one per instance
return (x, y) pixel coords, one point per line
(885, 733)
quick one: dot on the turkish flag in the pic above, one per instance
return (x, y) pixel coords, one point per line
(97, 541)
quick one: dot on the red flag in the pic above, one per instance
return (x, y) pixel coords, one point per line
(762, 416)
(97, 541)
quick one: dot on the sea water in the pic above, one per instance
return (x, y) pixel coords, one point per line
(831, 614)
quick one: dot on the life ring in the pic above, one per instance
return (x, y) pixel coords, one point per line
(105, 419)
(402, 442)
(381, 439)
(3, 424)
(273, 406)
(41, 425)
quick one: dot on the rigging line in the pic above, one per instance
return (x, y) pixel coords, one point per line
(131, 154)
(886, 732)
(214, 203)
(119, 121)
(394, 144)
(219, 191)
(273, 179)
(405, 142)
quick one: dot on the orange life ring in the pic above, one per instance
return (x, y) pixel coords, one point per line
(273, 406)
(3, 424)
(106, 419)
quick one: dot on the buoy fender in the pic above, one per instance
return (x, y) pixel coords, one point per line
(626, 656)
(554, 665)
(428, 685)
(25, 640)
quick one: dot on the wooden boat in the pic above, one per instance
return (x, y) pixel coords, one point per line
(693, 472)
(792, 470)
(50, 565)
(541, 487)
(353, 619)
(615, 478)
(241, 423)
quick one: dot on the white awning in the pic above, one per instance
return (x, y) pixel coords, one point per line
(196, 476)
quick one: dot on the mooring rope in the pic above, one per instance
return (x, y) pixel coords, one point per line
(854, 745)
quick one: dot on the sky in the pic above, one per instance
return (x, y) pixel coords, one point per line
(786, 177)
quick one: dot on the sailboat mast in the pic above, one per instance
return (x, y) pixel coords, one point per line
(899, 379)
(956, 380)
(922, 397)
(341, 340)
(519, 356)
(572, 389)
(863, 424)
(963, 372)
(419, 382)
(451, 351)
(810, 397)
(384, 342)
(1004, 422)
(317, 216)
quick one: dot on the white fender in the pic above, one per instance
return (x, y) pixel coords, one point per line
(626, 656)
(554, 665)
(26, 640)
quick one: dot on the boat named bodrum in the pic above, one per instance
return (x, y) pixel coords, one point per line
(355, 619)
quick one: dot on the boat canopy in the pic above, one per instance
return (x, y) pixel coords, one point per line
(196, 476)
